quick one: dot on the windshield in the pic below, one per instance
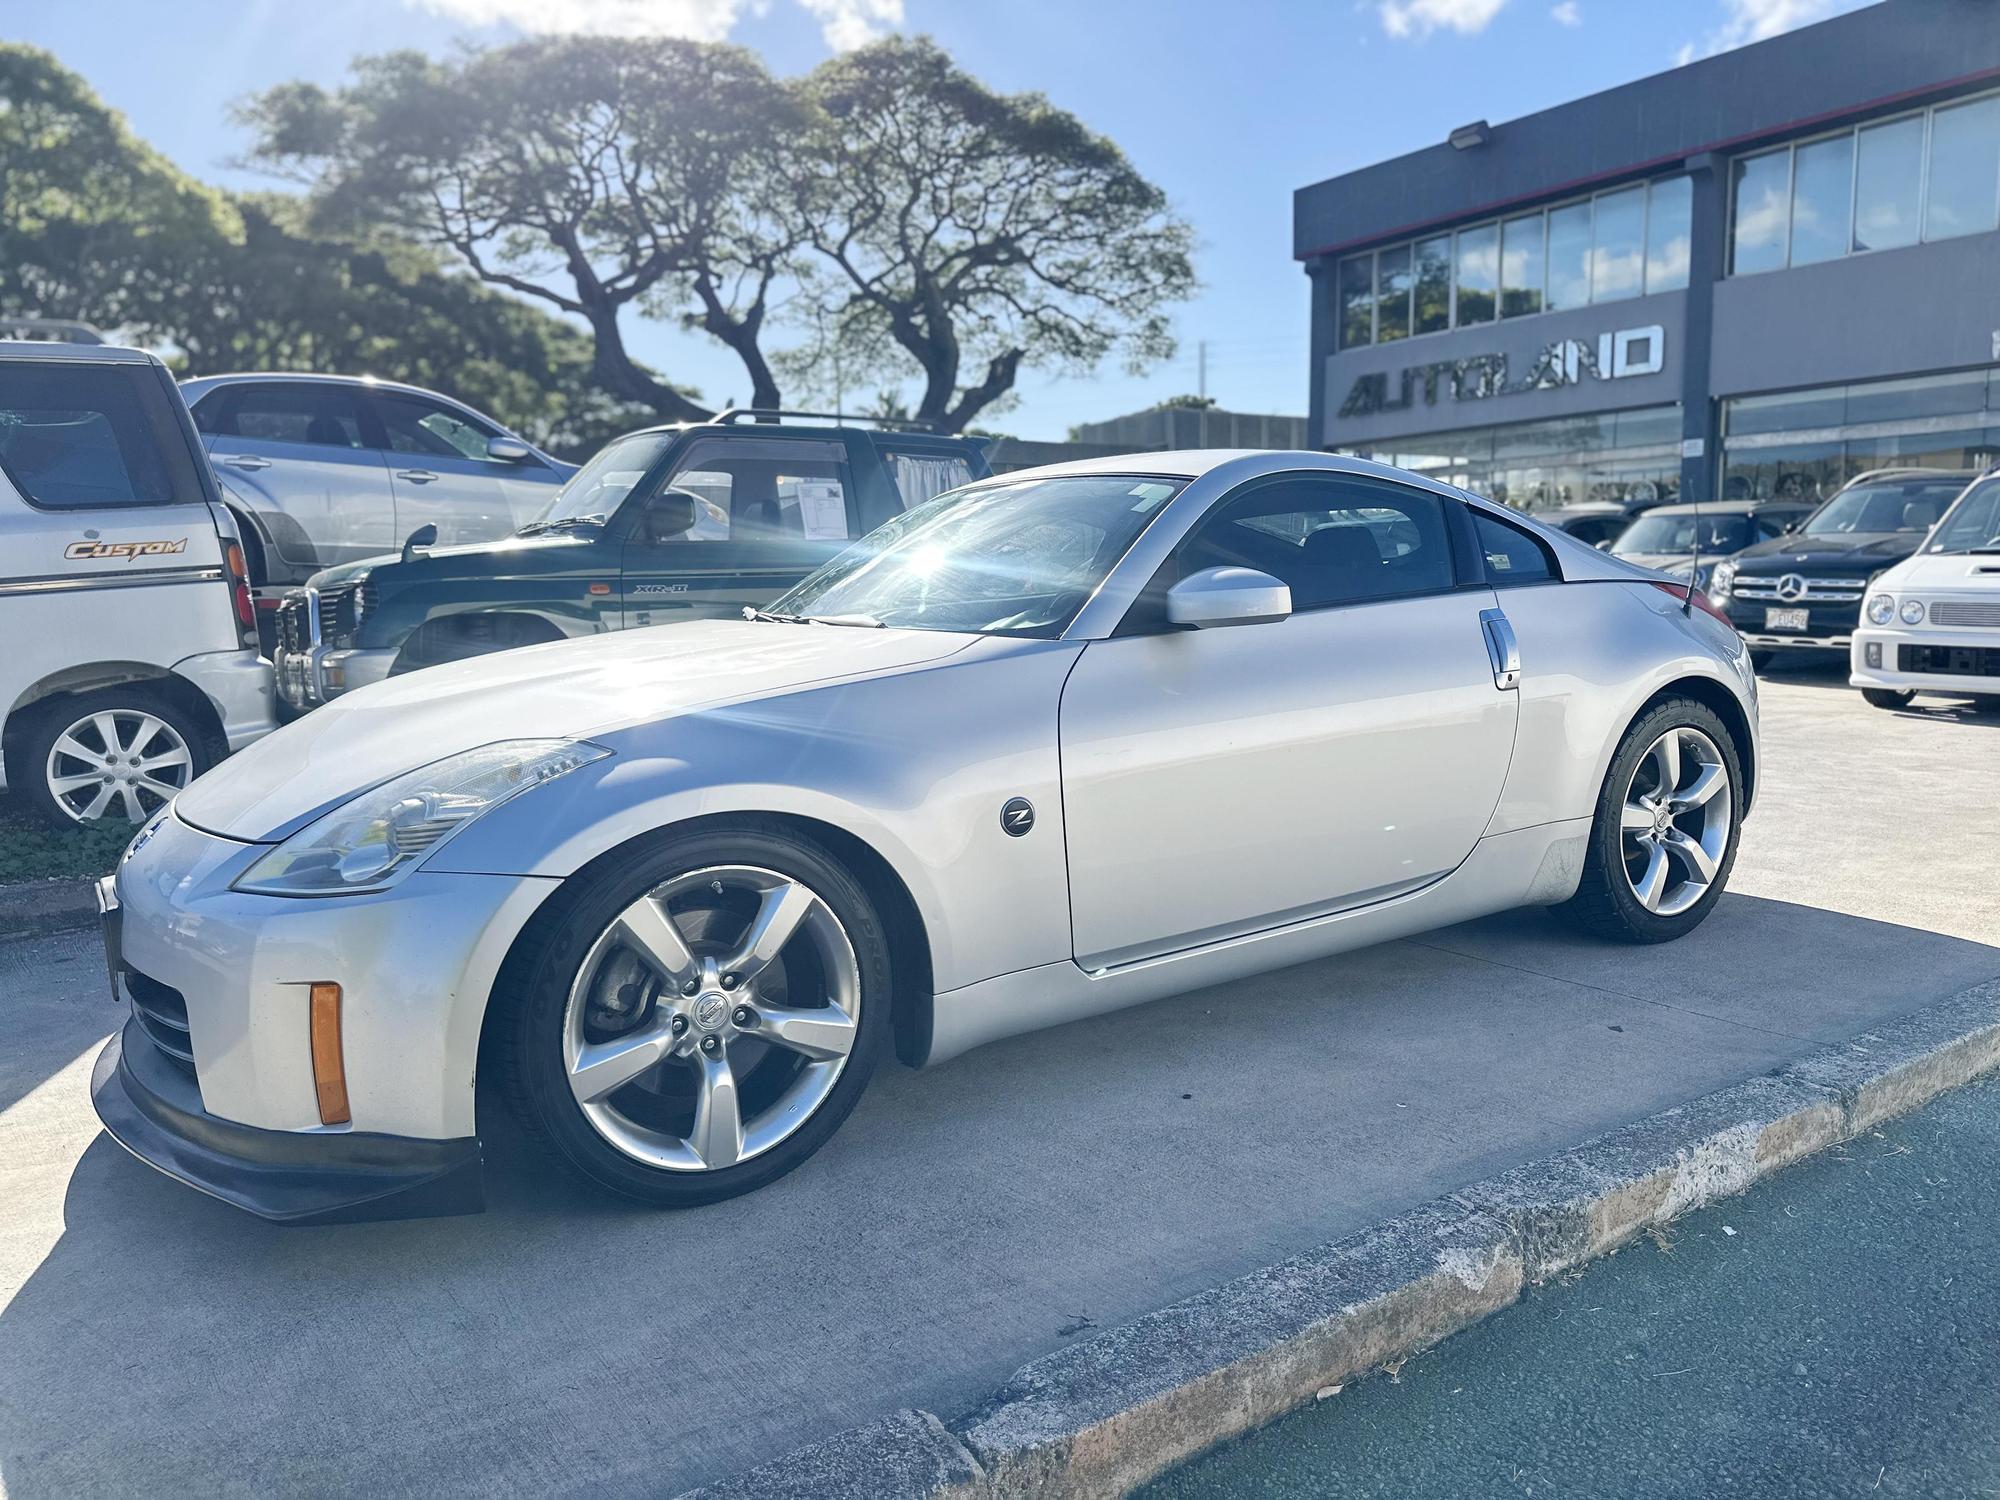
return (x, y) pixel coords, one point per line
(1884, 507)
(595, 490)
(1013, 559)
(1974, 524)
(1658, 533)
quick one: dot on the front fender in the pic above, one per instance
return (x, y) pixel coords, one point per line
(916, 765)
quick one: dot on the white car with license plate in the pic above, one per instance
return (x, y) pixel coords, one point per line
(1931, 624)
(1049, 745)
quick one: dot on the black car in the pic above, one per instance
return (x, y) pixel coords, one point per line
(1680, 539)
(1802, 591)
(667, 524)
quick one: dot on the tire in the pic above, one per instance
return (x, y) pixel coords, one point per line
(1887, 697)
(159, 748)
(1621, 863)
(1760, 661)
(582, 989)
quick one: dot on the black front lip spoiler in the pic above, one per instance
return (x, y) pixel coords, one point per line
(154, 1110)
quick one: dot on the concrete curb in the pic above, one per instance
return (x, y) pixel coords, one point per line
(1100, 1417)
(47, 906)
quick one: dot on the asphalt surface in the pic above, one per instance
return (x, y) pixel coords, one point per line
(1835, 1331)
(963, 1221)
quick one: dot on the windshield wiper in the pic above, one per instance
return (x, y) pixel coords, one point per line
(865, 622)
(773, 617)
(562, 523)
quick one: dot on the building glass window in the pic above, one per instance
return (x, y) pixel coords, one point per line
(1630, 455)
(1762, 198)
(1433, 290)
(1822, 199)
(1962, 195)
(1930, 176)
(1392, 294)
(1357, 301)
(1478, 273)
(1569, 257)
(1521, 266)
(1807, 444)
(1888, 184)
(1618, 257)
(1669, 214)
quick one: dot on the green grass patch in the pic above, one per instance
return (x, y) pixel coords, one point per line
(33, 850)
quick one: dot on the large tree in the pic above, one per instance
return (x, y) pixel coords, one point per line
(588, 173)
(975, 233)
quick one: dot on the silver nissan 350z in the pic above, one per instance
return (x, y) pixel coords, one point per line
(1049, 745)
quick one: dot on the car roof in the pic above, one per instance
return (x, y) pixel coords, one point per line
(371, 382)
(83, 354)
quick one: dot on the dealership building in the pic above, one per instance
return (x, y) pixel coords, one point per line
(1758, 274)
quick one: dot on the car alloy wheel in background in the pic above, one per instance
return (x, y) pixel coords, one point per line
(118, 754)
(712, 1018)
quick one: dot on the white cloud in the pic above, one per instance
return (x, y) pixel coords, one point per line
(848, 24)
(1419, 18)
(1749, 21)
(1568, 13)
(844, 23)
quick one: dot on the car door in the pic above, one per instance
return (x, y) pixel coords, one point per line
(443, 476)
(1218, 782)
(298, 453)
(735, 522)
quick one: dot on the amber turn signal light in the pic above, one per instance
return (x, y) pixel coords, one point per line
(329, 1067)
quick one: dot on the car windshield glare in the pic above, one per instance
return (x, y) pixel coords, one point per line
(1883, 507)
(1974, 523)
(1656, 533)
(596, 490)
(1015, 558)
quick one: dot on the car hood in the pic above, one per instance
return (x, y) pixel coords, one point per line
(468, 560)
(1956, 572)
(567, 689)
(1857, 552)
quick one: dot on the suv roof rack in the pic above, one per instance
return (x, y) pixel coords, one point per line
(737, 414)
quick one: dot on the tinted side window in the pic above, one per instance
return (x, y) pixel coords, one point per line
(414, 425)
(1513, 557)
(77, 437)
(1332, 540)
(325, 416)
(919, 476)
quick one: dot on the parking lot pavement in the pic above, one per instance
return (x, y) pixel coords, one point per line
(1750, 1351)
(964, 1221)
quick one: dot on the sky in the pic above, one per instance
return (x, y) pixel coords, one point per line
(1228, 107)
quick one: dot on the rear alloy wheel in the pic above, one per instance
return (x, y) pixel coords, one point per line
(1664, 838)
(1887, 697)
(119, 755)
(717, 1027)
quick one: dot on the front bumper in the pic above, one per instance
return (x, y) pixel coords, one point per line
(310, 671)
(153, 1109)
(1925, 660)
(213, 1082)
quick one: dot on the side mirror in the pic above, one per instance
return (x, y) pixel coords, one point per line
(1604, 544)
(1227, 596)
(509, 450)
(1790, 527)
(425, 535)
(670, 514)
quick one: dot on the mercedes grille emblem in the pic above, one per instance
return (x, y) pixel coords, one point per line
(1791, 586)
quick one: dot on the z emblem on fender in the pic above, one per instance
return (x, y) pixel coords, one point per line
(107, 551)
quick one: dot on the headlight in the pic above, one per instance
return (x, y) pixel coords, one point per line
(373, 841)
(1721, 580)
(1881, 609)
(1912, 611)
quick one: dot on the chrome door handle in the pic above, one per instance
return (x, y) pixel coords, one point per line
(416, 476)
(247, 461)
(1502, 649)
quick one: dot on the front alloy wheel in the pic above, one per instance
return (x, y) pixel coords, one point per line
(698, 1021)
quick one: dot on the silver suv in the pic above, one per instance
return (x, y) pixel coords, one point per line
(329, 469)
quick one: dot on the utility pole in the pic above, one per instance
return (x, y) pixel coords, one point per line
(1201, 365)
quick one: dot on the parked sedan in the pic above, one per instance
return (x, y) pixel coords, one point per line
(327, 469)
(1932, 622)
(1689, 540)
(1043, 747)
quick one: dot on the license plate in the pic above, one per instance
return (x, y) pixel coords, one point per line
(1787, 619)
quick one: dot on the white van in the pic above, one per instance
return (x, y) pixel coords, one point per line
(128, 660)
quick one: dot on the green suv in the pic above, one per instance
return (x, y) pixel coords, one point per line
(667, 524)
